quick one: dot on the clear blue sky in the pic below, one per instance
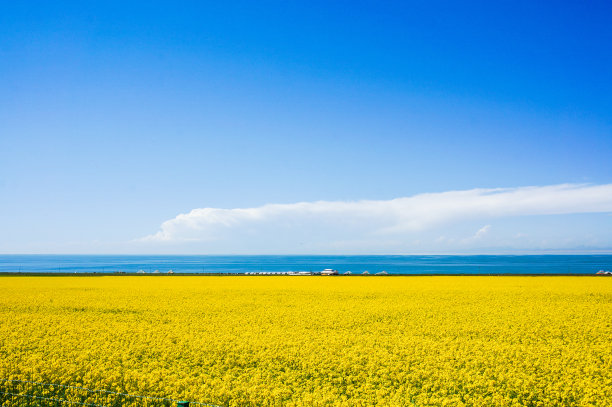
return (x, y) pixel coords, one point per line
(118, 116)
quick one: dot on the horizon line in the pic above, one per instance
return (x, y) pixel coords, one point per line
(518, 253)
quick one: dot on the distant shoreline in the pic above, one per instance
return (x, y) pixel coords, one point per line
(35, 274)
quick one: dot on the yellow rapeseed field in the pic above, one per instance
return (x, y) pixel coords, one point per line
(315, 341)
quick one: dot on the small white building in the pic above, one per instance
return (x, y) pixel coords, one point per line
(604, 272)
(304, 273)
(329, 272)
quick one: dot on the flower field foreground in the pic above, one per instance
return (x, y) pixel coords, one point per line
(314, 341)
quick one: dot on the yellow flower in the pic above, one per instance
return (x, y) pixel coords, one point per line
(283, 341)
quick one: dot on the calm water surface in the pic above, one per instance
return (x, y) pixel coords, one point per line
(531, 264)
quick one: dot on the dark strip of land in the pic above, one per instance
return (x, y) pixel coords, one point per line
(89, 274)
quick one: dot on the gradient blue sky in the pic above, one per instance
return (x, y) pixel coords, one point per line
(118, 116)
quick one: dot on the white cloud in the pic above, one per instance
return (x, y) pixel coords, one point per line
(478, 236)
(482, 231)
(368, 220)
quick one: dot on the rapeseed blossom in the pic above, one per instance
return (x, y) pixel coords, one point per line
(316, 341)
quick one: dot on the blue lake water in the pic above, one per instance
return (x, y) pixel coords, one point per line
(483, 264)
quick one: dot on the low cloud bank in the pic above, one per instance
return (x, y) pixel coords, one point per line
(339, 220)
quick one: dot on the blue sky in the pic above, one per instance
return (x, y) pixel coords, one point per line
(116, 118)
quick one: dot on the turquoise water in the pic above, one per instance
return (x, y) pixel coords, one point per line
(486, 264)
